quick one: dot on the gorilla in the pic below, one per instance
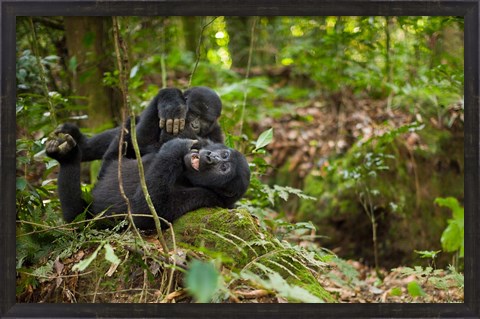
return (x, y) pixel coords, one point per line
(170, 114)
(183, 175)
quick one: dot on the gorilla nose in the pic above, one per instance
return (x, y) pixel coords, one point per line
(212, 157)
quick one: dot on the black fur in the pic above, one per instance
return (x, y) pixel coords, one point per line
(175, 186)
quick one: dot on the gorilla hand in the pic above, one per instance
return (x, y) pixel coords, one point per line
(178, 147)
(172, 110)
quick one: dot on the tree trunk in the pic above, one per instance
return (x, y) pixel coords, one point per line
(90, 50)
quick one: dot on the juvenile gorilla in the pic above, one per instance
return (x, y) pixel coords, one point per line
(182, 176)
(170, 114)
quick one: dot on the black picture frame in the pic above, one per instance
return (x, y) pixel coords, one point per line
(10, 9)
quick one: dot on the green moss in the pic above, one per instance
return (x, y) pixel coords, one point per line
(234, 233)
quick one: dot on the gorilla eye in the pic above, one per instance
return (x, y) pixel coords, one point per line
(225, 155)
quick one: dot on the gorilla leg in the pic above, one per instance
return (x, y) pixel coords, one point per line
(94, 147)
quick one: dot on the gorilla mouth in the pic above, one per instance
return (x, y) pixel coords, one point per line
(195, 161)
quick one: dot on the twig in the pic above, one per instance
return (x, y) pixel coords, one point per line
(66, 226)
(124, 89)
(197, 51)
(123, 68)
(119, 44)
(59, 276)
(95, 293)
(252, 294)
(50, 22)
(157, 258)
(368, 208)
(164, 70)
(144, 291)
(43, 76)
(174, 259)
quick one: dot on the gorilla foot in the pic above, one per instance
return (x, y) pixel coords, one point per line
(59, 145)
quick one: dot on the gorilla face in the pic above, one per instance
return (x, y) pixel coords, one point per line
(204, 108)
(204, 160)
(218, 167)
(198, 125)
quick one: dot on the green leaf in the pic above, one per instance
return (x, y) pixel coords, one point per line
(229, 141)
(427, 253)
(50, 164)
(110, 254)
(306, 225)
(267, 190)
(396, 292)
(202, 280)
(415, 290)
(82, 265)
(453, 236)
(21, 183)
(264, 139)
(452, 203)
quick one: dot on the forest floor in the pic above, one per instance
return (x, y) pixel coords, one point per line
(364, 287)
(306, 138)
(395, 287)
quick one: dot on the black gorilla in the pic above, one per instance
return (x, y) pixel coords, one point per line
(170, 114)
(182, 176)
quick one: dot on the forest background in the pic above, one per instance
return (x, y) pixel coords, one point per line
(353, 127)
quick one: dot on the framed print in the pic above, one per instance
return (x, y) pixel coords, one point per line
(278, 159)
